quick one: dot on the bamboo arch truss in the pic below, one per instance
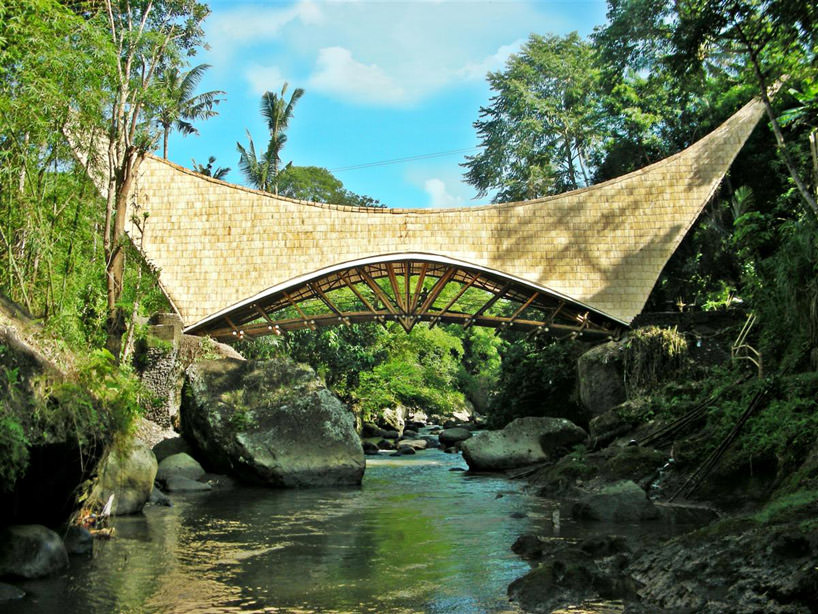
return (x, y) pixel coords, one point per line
(408, 288)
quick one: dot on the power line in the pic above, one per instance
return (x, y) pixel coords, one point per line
(438, 154)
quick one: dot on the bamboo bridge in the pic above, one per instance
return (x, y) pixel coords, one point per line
(237, 262)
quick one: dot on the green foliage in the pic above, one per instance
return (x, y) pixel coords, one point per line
(784, 506)
(652, 355)
(541, 127)
(784, 294)
(262, 171)
(100, 400)
(13, 450)
(419, 372)
(479, 370)
(537, 378)
(316, 184)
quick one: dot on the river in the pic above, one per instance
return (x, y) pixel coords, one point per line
(419, 535)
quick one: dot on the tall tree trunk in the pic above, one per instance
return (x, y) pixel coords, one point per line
(115, 266)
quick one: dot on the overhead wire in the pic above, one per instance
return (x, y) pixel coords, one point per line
(438, 154)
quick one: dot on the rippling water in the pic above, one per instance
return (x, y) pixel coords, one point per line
(416, 537)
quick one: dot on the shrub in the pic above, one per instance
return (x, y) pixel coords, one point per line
(652, 355)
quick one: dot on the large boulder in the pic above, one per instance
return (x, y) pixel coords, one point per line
(270, 422)
(622, 501)
(601, 378)
(127, 472)
(31, 551)
(523, 441)
(179, 465)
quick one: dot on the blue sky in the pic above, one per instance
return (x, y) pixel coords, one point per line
(383, 80)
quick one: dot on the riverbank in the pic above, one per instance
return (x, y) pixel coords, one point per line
(754, 541)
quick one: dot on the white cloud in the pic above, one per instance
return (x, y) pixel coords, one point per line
(338, 73)
(263, 78)
(227, 30)
(385, 53)
(439, 196)
(494, 62)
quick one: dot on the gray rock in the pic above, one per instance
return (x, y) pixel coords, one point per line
(31, 551)
(453, 435)
(524, 441)
(431, 442)
(169, 447)
(606, 427)
(159, 498)
(78, 540)
(128, 473)
(417, 444)
(386, 444)
(393, 418)
(179, 465)
(10, 593)
(370, 429)
(179, 483)
(370, 448)
(271, 422)
(404, 451)
(623, 501)
(601, 378)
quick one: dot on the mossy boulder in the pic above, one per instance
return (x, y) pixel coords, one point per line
(523, 441)
(601, 378)
(271, 422)
(127, 472)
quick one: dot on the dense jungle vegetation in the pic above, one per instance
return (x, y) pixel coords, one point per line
(565, 112)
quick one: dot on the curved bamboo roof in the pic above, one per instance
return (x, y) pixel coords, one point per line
(231, 258)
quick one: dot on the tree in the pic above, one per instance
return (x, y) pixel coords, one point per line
(220, 172)
(263, 171)
(540, 131)
(145, 39)
(180, 106)
(317, 184)
(774, 39)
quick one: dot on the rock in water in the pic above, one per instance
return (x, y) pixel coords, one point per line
(451, 436)
(523, 441)
(78, 540)
(128, 473)
(271, 422)
(180, 464)
(31, 551)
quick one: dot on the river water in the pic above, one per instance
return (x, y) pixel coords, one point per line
(419, 535)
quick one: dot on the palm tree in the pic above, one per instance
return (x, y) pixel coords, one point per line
(277, 110)
(218, 173)
(255, 168)
(180, 106)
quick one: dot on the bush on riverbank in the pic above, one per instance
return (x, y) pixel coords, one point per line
(52, 398)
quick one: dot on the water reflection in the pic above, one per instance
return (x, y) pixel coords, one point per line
(416, 537)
